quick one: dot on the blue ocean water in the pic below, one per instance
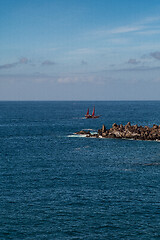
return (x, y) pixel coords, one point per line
(54, 185)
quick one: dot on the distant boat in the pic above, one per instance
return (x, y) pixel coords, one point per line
(88, 115)
(93, 114)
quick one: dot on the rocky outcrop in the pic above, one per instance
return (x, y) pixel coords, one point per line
(83, 132)
(127, 131)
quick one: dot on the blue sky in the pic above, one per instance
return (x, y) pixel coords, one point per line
(79, 50)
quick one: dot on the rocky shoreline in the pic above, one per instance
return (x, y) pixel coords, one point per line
(127, 131)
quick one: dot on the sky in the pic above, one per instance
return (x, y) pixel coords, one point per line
(79, 50)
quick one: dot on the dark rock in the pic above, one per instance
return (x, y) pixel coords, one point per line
(114, 125)
(104, 134)
(135, 126)
(146, 127)
(155, 126)
(94, 135)
(103, 129)
(100, 131)
(128, 124)
(130, 132)
(128, 135)
(111, 135)
(83, 132)
(121, 127)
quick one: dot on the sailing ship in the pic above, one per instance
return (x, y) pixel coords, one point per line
(88, 115)
(93, 114)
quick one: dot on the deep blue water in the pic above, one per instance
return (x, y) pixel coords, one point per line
(60, 187)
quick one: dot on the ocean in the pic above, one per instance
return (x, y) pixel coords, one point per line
(55, 185)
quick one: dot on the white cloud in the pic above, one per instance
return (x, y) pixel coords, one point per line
(145, 26)
(149, 32)
(116, 31)
(150, 20)
(126, 29)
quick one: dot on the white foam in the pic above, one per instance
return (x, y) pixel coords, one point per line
(89, 129)
(93, 132)
(76, 135)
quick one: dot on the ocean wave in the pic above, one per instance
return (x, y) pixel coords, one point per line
(89, 129)
(77, 136)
